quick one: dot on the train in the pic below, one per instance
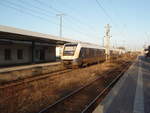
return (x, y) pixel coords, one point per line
(147, 52)
(75, 55)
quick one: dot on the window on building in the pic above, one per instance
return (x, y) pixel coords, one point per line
(37, 54)
(7, 53)
(42, 54)
(20, 54)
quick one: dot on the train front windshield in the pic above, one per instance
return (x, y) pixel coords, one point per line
(69, 50)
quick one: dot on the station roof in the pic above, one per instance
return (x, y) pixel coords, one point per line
(12, 33)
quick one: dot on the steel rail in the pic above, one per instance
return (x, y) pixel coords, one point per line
(101, 94)
(34, 78)
(72, 93)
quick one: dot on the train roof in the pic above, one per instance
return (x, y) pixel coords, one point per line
(86, 45)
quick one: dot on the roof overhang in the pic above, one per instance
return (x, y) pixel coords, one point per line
(10, 33)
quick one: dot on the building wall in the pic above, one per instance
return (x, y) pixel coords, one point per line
(49, 51)
(50, 54)
(14, 60)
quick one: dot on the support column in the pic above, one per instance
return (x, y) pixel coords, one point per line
(32, 52)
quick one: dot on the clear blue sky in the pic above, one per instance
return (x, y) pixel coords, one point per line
(84, 20)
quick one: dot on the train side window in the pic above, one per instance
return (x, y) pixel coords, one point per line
(97, 52)
(90, 52)
(7, 54)
(81, 53)
(101, 52)
(87, 51)
(94, 52)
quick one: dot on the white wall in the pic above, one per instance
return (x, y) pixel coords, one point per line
(14, 47)
(50, 54)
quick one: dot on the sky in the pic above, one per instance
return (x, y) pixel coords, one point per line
(83, 20)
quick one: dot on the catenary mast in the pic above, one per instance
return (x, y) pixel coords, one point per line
(107, 40)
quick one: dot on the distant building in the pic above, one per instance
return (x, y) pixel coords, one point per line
(25, 47)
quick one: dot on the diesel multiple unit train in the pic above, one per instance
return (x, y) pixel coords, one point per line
(80, 54)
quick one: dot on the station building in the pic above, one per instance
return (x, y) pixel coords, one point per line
(19, 46)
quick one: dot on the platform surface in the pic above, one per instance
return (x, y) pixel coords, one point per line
(131, 94)
(14, 68)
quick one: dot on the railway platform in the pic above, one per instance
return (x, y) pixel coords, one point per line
(131, 94)
(9, 74)
(29, 66)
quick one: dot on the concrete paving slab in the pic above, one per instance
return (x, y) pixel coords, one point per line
(131, 94)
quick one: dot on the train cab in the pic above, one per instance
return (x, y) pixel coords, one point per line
(70, 54)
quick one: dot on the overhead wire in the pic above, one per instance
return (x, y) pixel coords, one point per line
(103, 9)
(75, 19)
(34, 13)
(43, 10)
(48, 5)
(39, 14)
(81, 32)
(11, 5)
(58, 11)
(108, 16)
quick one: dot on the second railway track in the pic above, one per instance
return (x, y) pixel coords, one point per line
(82, 99)
(27, 80)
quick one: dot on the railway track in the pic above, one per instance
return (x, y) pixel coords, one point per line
(83, 100)
(95, 102)
(31, 79)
